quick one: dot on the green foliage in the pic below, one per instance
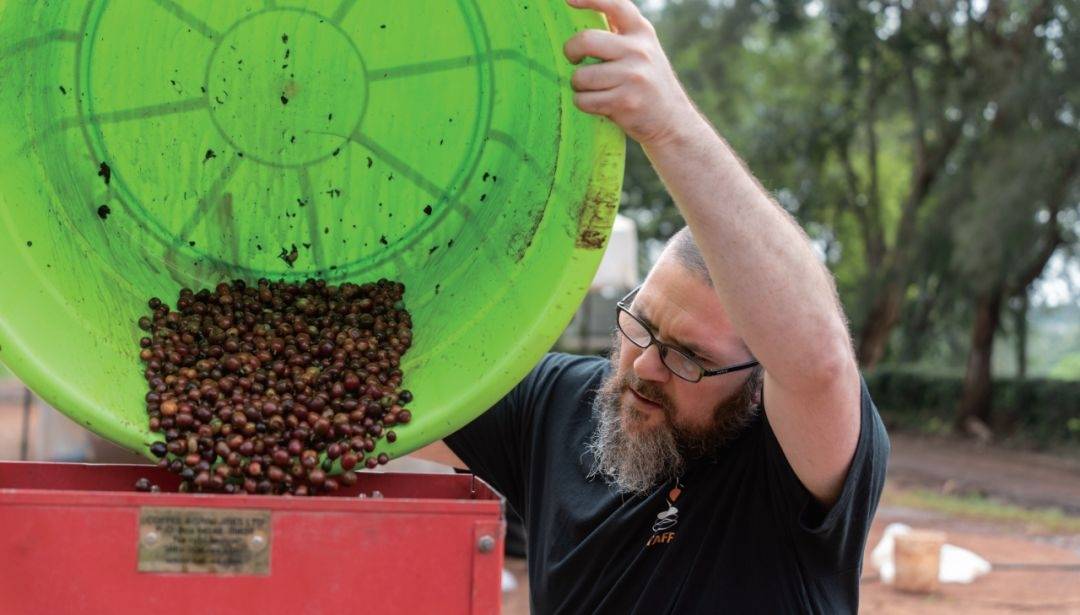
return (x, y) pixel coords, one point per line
(1054, 337)
(1067, 368)
(1039, 411)
(934, 145)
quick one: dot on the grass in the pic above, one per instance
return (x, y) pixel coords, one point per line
(981, 508)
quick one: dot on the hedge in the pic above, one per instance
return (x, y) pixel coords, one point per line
(1040, 410)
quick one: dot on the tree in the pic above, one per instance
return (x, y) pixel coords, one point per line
(1019, 171)
(859, 116)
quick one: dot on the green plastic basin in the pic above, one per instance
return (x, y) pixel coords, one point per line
(151, 145)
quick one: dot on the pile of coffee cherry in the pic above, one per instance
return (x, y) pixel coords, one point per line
(275, 387)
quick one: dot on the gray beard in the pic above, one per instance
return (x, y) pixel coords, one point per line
(635, 463)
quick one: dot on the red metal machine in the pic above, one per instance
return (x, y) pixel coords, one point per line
(77, 539)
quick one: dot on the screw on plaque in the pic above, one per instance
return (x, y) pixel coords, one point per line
(486, 543)
(257, 542)
(151, 538)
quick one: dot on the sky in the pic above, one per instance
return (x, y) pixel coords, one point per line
(1060, 282)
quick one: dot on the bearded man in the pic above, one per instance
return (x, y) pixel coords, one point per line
(727, 456)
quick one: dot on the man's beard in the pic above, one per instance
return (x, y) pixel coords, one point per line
(636, 462)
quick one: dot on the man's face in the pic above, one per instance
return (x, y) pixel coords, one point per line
(650, 419)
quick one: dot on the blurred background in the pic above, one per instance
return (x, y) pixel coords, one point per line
(931, 150)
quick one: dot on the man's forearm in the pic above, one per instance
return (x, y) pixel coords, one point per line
(778, 295)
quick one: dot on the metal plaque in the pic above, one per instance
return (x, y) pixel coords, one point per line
(204, 540)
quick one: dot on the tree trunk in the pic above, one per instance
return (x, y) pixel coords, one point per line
(879, 323)
(1021, 325)
(975, 401)
(917, 326)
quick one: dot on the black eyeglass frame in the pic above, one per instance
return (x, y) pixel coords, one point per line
(624, 304)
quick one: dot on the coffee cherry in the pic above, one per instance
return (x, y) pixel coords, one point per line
(260, 387)
(348, 461)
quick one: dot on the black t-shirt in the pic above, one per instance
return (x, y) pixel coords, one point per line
(739, 534)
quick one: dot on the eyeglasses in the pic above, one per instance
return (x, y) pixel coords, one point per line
(679, 361)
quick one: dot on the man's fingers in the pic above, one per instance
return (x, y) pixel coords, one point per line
(621, 14)
(598, 44)
(599, 103)
(600, 76)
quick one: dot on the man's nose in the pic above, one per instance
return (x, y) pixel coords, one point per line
(649, 366)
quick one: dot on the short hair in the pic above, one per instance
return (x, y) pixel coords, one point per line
(685, 250)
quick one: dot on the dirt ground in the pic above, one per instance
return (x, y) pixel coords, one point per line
(1021, 477)
(1035, 571)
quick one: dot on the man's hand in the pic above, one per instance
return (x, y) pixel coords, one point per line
(634, 85)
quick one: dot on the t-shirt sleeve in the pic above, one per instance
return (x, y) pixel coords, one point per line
(831, 540)
(497, 445)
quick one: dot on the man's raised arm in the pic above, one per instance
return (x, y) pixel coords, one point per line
(779, 297)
